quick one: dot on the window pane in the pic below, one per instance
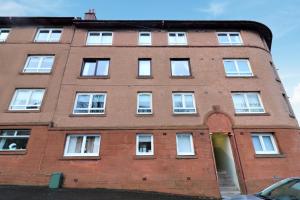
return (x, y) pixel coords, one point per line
(180, 68)
(144, 145)
(189, 101)
(268, 143)
(256, 143)
(93, 38)
(55, 36)
(144, 101)
(240, 103)
(145, 38)
(230, 67)
(144, 67)
(36, 98)
(235, 38)
(172, 38)
(178, 101)
(106, 38)
(102, 68)
(243, 67)
(98, 101)
(181, 39)
(253, 100)
(83, 101)
(184, 143)
(92, 144)
(89, 69)
(42, 35)
(33, 62)
(21, 97)
(3, 35)
(223, 38)
(75, 144)
(13, 143)
(7, 133)
(47, 63)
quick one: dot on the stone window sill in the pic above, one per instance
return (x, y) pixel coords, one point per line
(17, 152)
(87, 115)
(80, 158)
(179, 157)
(23, 111)
(252, 114)
(144, 157)
(270, 156)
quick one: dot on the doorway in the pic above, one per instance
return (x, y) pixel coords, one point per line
(225, 165)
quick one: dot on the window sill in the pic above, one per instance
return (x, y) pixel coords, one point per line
(87, 115)
(35, 73)
(144, 115)
(144, 77)
(186, 114)
(80, 158)
(246, 77)
(182, 77)
(20, 152)
(93, 77)
(186, 157)
(23, 111)
(252, 114)
(144, 157)
(270, 156)
(46, 42)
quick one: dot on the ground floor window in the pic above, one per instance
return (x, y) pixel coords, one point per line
(14, 140)
(144, 144)
(264, 143)
(82, 145)
(185, 144)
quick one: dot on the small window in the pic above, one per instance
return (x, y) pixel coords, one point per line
(39, 64)
(99, 38)
(180, 67)
(237, 67)
(27, 99)
(90, 103)
(177, 38)
(247, 102)
(144, 38)
(82, 145)
(144, 67)
(264, 143)
(4, 32)
(230, 38)
(144, 144)
(14, 140)
(48, 35)
(185, 144)
(144, 103)
(95, 67)
(184, 103)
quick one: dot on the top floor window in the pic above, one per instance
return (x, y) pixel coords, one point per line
(48, 35)
(247, 102)
(99, 38)
(237, 67)
(177, 38)
(4, 32)
(230, 38)
(144, 38)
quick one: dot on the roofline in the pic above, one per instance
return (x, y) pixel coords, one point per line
(261, 28)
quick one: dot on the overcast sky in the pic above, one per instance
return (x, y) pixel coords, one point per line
(282, 16)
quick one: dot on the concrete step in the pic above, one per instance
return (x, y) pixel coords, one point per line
(229, 189)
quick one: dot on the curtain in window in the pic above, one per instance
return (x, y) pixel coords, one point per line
(75, 144)
(240, 103)
(184, 143)
(98, 101)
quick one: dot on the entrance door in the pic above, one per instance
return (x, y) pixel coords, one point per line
(227, 176)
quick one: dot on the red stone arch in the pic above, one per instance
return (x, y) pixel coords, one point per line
(218, 122)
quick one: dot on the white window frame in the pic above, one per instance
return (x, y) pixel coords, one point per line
(100, 38)
(138, 103)
(150, 35)
(16, 136)
(96, 67)
(176, 38)
(144, 59)
(27, 100)
(188, 65)
(41, 58)
(247, 102)
(264, 151)
(191, 143)
(83, 145)
(90, 103)
(137, 145)
(4, 29)
(229, 39)
(238, 74)
(49, 34)
(183, 102)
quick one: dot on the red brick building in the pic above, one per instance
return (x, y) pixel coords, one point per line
(185, 107)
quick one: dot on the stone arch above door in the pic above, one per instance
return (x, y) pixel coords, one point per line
(218, 122)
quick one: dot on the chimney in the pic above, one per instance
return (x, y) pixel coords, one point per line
(90, 15)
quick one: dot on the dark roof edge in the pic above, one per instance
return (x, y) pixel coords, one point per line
(261, 28)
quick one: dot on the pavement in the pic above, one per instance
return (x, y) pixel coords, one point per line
(44, 193)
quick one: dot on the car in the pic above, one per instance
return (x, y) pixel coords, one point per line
(286, 189)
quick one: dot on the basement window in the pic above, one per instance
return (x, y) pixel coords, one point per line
(14, 140)
(82, 145)
(48, 35)
(144, 144)
(247, 102)
(144, 103)
(230, 38)
(183, 103)
(4, 32)
(27, 99)
(264, 143)
(39, 64)
(237, 67)
(95, 67)
(90, 103)
(185, 144)
(99, 38)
